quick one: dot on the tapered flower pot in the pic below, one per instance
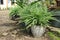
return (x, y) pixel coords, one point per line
(37, 31)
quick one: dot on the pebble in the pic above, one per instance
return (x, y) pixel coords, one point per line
(5, 33)
(14, 32)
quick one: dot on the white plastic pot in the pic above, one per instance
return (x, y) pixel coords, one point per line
(37, 31)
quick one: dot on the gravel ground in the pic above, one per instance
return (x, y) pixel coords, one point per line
(6, 25)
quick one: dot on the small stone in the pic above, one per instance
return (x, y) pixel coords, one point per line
(18, 29)
(14, 32)
(13, 35)
(18, 39)
(4, 34)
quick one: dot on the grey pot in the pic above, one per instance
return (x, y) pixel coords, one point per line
(37, 31)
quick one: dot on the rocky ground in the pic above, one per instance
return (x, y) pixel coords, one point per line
(8, 29)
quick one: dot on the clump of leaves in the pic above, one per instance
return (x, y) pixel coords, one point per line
(22, 3)
(52, 36)
(36, 14)
(14, 12)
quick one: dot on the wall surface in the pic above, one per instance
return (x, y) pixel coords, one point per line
(5, 4)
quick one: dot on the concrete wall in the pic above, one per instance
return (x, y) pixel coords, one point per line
(9, 3)
(5, 5)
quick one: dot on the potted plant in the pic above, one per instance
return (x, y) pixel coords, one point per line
(14, 12)
(36, 17)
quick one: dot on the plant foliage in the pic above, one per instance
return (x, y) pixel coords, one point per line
(14, 11)
(36, 14)
(22, 3)
(53, 36)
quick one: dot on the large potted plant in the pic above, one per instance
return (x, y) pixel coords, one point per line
(36, 17)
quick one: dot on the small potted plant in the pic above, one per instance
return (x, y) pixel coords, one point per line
(36, 17)
(14, 13)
